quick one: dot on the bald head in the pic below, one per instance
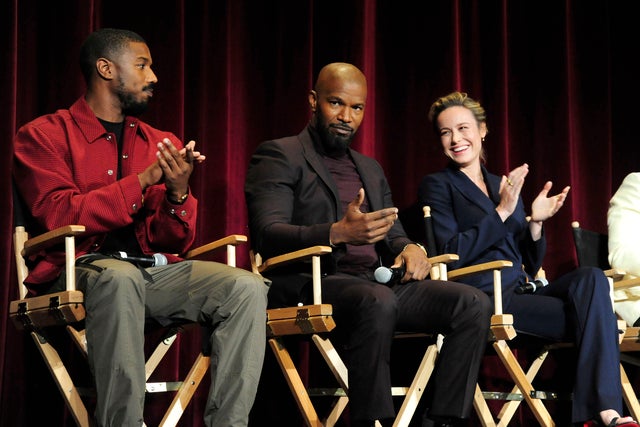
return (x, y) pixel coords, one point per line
(337, 104)
(339, 73)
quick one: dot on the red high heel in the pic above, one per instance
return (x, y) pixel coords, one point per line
(614, 420)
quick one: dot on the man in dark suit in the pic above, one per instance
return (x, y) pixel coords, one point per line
(312, 189)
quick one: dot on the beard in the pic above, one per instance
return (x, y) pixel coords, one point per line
(129, 104)
(334, 144)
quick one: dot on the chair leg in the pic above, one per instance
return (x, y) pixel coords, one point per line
(509, 409)
(158, 354)
(63, 380)
(186, 391)
(515, 371)
(339, 370)
(412, 398)
(336, 410)
(331, 357)
(295, 383)
(482, 409)
(79, 338)
(629, 395)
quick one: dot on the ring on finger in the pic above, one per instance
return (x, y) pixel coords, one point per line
(509, 182)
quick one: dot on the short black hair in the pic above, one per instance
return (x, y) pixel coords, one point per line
(103, 43)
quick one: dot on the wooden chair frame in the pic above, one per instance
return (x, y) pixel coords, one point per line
(630, 341)
(316, 320)
(502, 331)
(66, 308)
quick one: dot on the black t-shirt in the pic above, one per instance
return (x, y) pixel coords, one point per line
(122, 239)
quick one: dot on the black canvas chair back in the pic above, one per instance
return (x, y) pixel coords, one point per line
(430, 239)
(18, 208)
(591, 247)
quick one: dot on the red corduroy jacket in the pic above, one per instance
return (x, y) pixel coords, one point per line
(65, 168)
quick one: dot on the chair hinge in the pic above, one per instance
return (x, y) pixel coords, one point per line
(54, 310)
(302, 321)
(23, 317)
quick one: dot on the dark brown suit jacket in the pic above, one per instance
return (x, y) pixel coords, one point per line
(292, 198)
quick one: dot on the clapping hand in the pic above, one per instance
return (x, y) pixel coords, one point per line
(154, 173)
(544, 207)
(196, 154)
(510, 188)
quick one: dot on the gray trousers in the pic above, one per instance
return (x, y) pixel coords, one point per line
(230, 302)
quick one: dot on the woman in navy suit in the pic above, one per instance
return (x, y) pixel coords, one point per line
(481, 217)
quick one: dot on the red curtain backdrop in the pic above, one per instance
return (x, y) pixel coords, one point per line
(554, 77)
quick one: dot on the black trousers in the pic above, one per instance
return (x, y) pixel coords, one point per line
(367, 315)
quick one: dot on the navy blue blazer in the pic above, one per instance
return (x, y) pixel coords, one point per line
(466, 223)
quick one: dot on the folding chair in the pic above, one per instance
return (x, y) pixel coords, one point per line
(316, 320)
(39, 315)
(592, 251)
(502, 333)
(311, 320)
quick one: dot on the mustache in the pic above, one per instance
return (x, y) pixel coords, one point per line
(342, 127)
(150, 86)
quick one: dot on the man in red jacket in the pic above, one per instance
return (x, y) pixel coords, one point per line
(98, 165)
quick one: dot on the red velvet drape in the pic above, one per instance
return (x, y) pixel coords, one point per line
(556, 78)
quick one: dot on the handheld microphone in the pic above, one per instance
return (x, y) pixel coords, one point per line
(531, 287)
(143, 260)
(386, 274)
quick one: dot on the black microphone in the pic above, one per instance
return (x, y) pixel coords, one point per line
(143, 260)
(386, 274)
(531, 287)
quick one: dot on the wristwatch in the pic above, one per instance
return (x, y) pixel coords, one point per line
(180, 200)
(417, 244)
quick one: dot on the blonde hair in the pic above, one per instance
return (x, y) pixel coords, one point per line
(458, 99)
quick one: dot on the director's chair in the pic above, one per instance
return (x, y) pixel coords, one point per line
(502, 334)
(316, 321)
(592, 250)
(40, 315)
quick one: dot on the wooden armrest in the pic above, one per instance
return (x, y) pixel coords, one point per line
(626, 283)
(501, 324)
(301, 255)
(474, 269)
(444, 258)
(614, 274)
(50, 238)
(233, 239)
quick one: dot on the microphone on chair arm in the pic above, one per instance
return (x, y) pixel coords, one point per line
(531, 287)
(142, 259)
